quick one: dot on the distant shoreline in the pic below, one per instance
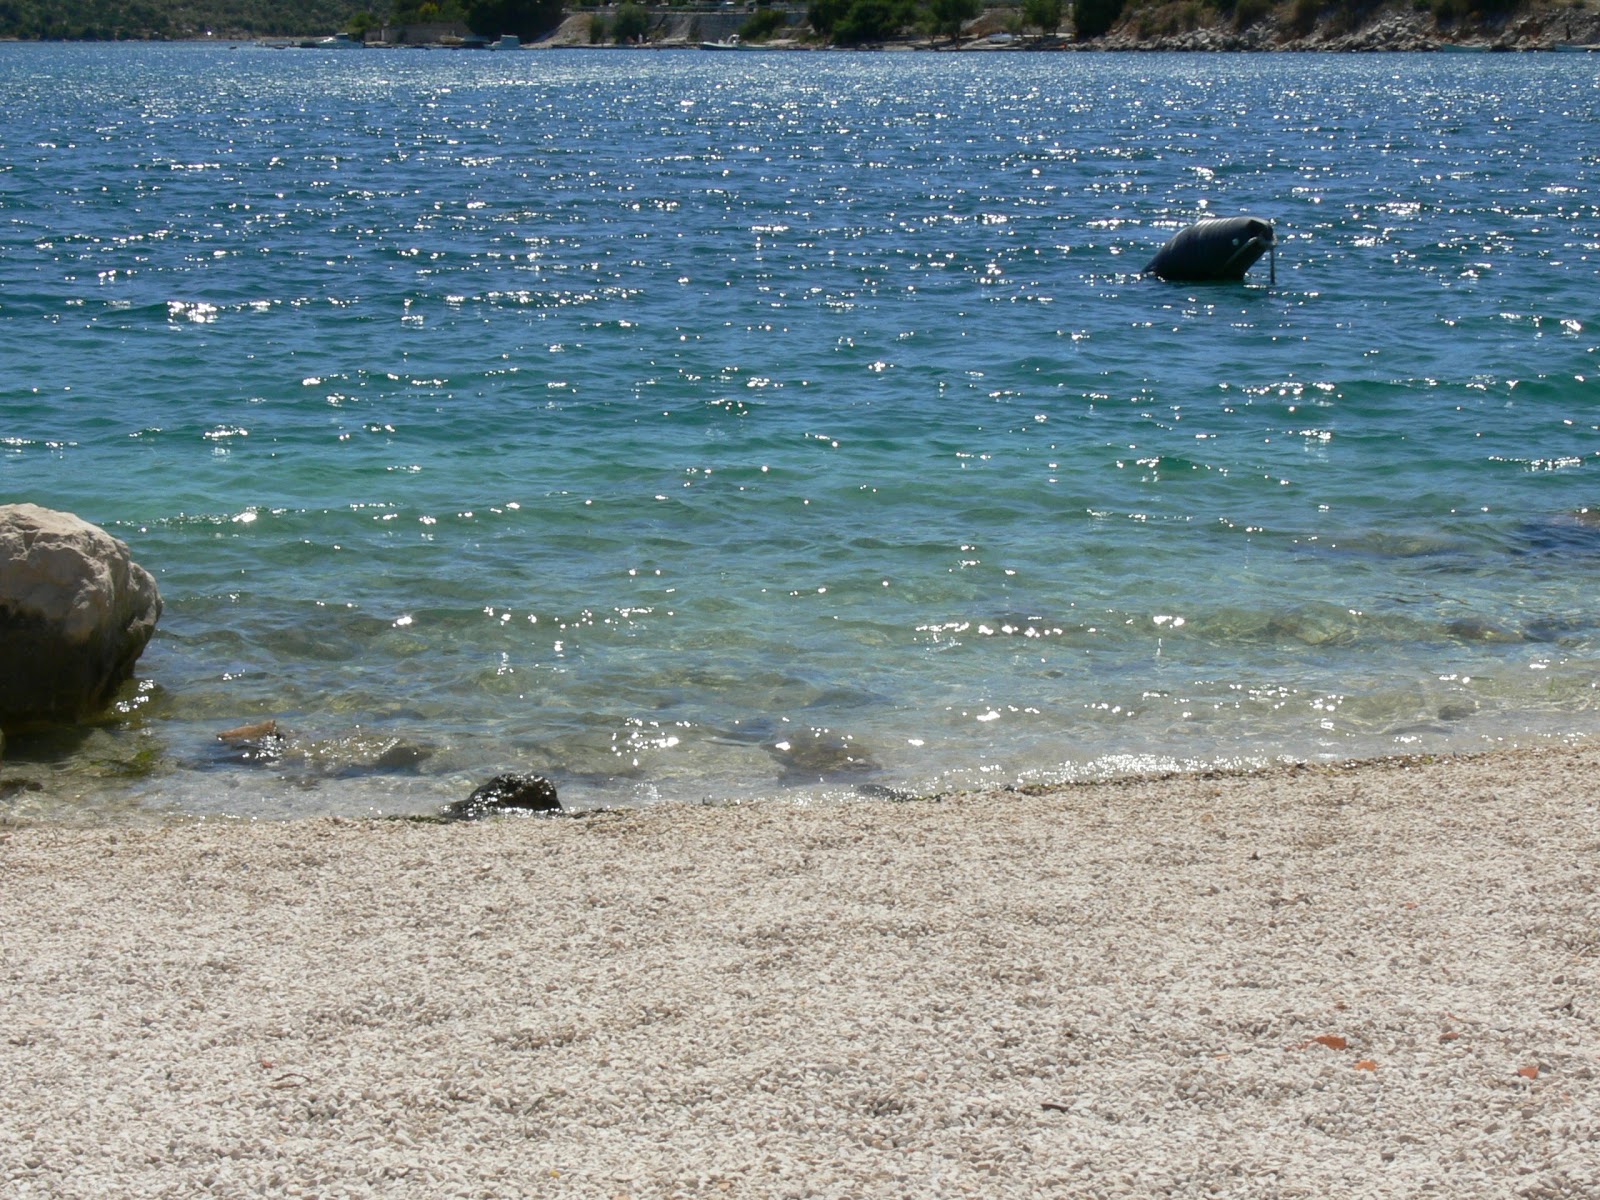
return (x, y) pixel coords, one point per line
(1286, 27)
(1103, 46)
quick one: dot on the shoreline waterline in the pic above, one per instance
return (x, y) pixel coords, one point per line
(32, 799)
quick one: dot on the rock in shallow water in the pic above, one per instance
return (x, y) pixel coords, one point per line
(808, 754)
(269, 744)
(75, 614)
(505, 793)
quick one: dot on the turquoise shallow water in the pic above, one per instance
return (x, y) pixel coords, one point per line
(707, 426)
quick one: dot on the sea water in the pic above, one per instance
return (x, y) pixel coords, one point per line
(702, 427)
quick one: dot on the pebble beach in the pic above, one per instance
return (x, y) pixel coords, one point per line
(1369, 980)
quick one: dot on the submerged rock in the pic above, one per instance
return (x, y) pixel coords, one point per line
(1576, 531)
(267, 743)
(879, 791)
(812, 753)
(398, 756)
(505, 793)
(1479, 629)
(14, 787)
(364, 754)
(75, 614)
(259, 745)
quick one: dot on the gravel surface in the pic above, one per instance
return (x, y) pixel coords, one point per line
(1375, 980)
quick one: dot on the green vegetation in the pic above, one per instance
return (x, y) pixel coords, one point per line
(1043, 15)
(428, 12)
(1448, 11)
(875, 21)
(106, 20)
(1095, 17)
(631, 24)
(948, 16)
(823, 15)
(1303, 15)
(1247, 12)
(861, 22)
(841, 22)
(525, 18)
(763, 24)
(1152, 19)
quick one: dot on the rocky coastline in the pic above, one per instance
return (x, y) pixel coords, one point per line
(1391, 27)
(1178, 25)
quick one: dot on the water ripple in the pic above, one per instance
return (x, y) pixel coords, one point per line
(634, 417)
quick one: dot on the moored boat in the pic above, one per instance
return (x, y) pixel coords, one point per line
(339, 41)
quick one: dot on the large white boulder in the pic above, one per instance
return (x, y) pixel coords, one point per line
(75, 614)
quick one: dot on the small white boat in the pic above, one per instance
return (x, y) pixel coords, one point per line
(506, 41)
(339, 41)
(732, 43)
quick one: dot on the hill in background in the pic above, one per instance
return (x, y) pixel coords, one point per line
(1108, 24)
(106, 20)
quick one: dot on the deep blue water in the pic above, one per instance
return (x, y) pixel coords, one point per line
(694, 426)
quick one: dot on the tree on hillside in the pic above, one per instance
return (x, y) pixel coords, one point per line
(1043, 15)
(947, 16)
(632, 23)
(871, 21)
(762, 24)
(428, 12)
(824, 15)
(527, 19)
(1092, 18)
(173, 18)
